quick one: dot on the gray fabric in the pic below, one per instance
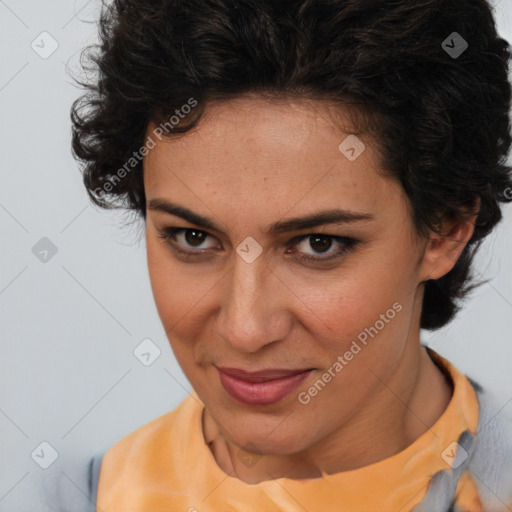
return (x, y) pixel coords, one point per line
(93, 480)
(489, 463)
(441, 490)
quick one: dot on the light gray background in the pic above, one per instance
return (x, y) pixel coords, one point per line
(68, 327)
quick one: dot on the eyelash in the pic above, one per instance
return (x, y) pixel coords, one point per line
(349, 244)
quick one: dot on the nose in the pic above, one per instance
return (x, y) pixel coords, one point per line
(254, 307)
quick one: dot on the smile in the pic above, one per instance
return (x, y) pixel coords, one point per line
(253, 390)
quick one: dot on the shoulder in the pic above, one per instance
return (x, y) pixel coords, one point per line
(491, 460)
(119, 454)
(486, 458)
(155, 433)
(135, 448)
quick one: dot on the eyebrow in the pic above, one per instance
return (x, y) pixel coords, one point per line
(334, 216)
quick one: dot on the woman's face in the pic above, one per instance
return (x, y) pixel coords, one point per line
(236, 289)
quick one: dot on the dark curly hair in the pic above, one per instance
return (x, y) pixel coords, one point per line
(440, 118)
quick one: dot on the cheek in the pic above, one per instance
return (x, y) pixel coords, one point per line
(360, 351)
(176, 289)
(363, 317)
(346, 304)
(177, 293)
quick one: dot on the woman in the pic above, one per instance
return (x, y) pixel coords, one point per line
(315, 178)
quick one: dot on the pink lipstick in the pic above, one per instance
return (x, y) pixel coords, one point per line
(263, 387)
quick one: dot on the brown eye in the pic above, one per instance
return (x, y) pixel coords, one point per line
(191, 243)
(187, 240)
(195, 237)
(319, 243)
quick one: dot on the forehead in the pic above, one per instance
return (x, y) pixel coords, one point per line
(276, 153)
(276, 124)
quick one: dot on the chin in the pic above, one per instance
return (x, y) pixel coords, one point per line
(275, 445)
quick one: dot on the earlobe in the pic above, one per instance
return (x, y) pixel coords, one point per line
(443, 250)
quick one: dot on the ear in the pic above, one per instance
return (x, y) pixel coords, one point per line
(443, 250)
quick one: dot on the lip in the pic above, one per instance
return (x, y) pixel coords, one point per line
(260, 388)
(261, 375)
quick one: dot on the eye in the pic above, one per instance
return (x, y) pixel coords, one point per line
(329, 245)
(183, 240)
(188, 241)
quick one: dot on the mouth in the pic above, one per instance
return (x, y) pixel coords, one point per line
(260, 388)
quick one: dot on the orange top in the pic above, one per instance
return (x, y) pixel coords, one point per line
(166, 465)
